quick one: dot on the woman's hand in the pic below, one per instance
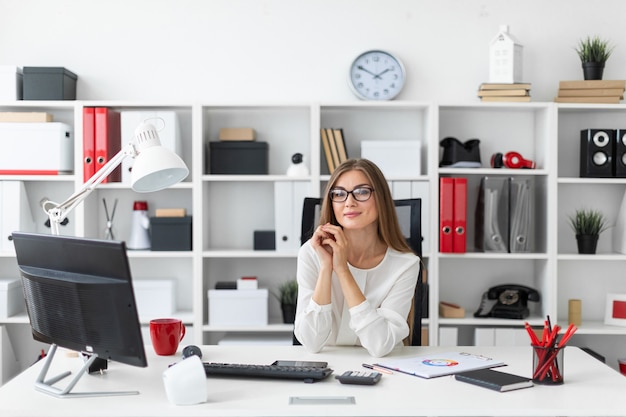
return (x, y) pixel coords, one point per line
(321, 243)
(338, 245)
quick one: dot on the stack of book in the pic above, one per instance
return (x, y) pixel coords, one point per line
(334, 147)
(591, 91)
(504, 92)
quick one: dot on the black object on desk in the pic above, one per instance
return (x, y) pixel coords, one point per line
(495, 380)
(305, 373)
(359, 377)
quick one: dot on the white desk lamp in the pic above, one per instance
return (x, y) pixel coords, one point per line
(155, 168)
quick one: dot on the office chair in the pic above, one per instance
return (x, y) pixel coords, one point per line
(410, 218)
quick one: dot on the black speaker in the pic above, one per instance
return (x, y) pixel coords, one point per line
(619, 157)
(596, 152)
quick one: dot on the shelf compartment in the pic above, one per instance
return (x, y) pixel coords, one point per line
(287, 130)
(379, 122)
(523, 128)
(464, 281)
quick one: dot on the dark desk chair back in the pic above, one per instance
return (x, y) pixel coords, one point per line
(410, 218)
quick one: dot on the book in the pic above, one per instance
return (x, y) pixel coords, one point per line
(592, 92)
(506, 98)
(439, 364)
(23, 117)
(446, 214)
(517, 92)
(605, 100)
(108, 140)
(89, 142)
(495, 380)
(333, 147)
(577, 84)
(341, 145)
(504, 86)
(329, 156)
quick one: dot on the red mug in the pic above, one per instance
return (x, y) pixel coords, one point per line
(166, 334)
(622, 365)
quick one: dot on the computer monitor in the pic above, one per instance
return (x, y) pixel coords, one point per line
(79, 296)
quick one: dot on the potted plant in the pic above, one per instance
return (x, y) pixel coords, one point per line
(288, 297)
(593, 53)
(588, 224)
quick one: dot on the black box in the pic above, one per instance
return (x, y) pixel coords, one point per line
(264, 240)
(49, 83)
(238, 157)
(170, 233)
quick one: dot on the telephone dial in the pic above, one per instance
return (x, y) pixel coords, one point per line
(511, 301)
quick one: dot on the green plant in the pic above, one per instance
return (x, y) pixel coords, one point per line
(594, 49)
(288, 292)
(588, 222)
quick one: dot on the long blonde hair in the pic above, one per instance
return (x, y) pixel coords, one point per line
(388, 227)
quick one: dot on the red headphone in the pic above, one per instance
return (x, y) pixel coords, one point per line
(511, 160)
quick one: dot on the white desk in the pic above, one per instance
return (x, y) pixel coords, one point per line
(590, 388)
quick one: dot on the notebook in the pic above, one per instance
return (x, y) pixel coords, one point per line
(495, 380)
(440, 364)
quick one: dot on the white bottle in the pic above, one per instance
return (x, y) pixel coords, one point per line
(139, 236)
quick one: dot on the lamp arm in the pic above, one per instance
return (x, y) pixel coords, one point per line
(57, 212)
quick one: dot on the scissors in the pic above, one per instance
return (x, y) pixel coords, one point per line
(109, 230)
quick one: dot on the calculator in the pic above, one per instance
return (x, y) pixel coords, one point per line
(359, 377)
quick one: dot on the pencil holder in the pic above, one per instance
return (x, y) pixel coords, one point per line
(548, 365)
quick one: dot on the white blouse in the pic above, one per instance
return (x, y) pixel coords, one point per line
(378, 324)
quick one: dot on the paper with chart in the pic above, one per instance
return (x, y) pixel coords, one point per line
(440, 364)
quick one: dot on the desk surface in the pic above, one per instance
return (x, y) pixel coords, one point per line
(590, 388)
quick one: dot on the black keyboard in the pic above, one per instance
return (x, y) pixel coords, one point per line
(305, 373)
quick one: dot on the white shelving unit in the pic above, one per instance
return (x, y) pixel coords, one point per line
(227, 209)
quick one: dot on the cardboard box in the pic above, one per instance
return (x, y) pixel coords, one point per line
(11, 82)
(155, 298)
(53, 142)
(237, 133)
(170, 233)
(398, 158)
(49, 83)
(11, 297)
(238, 157)
(238, 307)
(450, 310)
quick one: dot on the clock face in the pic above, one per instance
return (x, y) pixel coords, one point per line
(376, 75)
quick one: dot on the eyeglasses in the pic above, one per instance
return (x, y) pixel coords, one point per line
(339, 195)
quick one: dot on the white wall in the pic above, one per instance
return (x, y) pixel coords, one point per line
(282, 50)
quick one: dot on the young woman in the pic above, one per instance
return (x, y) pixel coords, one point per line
(356, 275)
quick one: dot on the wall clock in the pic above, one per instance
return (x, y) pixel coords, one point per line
(376, 75)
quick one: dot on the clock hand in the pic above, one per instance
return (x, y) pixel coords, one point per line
(378, 75)
(366, 70)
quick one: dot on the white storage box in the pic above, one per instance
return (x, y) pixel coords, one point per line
(395, 158)
(36, 148)
(238, 307)
(11, 297)
(155, 298)
(11, 81)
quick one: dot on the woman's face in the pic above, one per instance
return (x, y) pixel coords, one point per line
(354, 214)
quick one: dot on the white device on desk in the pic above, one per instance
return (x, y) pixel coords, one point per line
(185, 382)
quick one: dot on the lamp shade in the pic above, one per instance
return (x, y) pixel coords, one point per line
(155, 167)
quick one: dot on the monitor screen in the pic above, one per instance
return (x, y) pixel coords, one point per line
(79, 295)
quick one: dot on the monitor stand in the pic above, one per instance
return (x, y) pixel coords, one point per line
(43, 385)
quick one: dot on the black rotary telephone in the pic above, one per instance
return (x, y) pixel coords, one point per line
(511, 301)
